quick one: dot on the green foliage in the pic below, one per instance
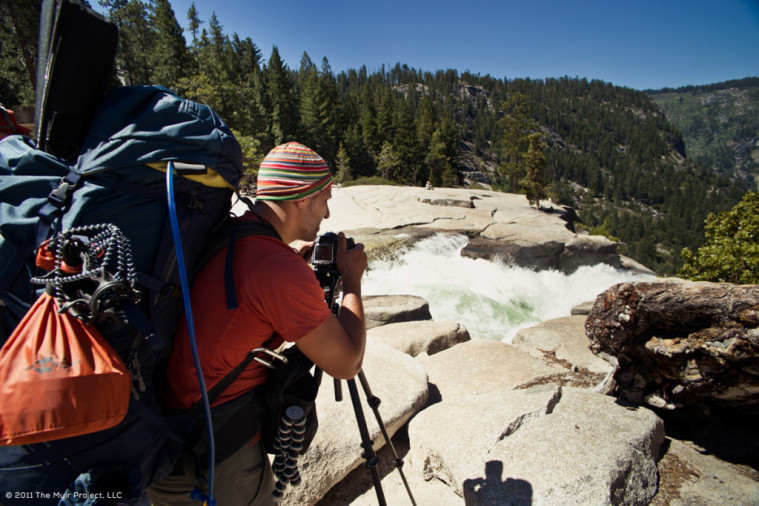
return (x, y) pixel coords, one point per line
(535, 162)
(137, 39)
(18, 51)
(517, 125)
(252, 153)
(388, 164)
(169, 59)
(731, 251)
(375, 180)
(343, 165)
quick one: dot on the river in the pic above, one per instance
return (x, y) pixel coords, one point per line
(493, 300)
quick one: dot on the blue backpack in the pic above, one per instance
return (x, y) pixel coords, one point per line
(119, 178)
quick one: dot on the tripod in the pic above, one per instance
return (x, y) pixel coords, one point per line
(329, 278)
(371, 460)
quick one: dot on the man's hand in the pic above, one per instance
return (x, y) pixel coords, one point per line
(351, 263)
(304, 248)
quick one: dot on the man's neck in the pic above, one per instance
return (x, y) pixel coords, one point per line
(276, 215)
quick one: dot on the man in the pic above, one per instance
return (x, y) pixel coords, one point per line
(278, 292)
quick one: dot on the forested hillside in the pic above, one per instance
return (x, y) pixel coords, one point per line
(609, 151)
(720, 125)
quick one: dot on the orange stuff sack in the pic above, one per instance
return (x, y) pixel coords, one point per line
(58, 378)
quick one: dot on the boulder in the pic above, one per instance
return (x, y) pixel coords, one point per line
(680, 343)
(530, 255)
(563, 341)
(588, 250)
(384, 309)
(541, 250)
(630, 265)
(397, 380)
(416, 337)
(476, 367)
(543, 445)
(582, 309)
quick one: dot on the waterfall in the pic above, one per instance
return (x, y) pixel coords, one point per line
(491, 299)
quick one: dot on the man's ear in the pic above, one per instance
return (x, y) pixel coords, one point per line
(300, 204)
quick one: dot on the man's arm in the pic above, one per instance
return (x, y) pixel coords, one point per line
(337, 345)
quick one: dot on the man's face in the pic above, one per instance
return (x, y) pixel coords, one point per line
(315, 210)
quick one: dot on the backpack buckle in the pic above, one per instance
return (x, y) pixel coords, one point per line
(266, 351)
(61, 195)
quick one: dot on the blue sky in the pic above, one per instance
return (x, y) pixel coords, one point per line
(640, 44)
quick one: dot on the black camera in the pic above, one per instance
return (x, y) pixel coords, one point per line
(324, 256)
(324, 260)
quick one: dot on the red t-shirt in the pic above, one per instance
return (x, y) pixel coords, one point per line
(276, 290)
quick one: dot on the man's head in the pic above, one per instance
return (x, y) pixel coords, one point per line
(298, 180)
(292, 171)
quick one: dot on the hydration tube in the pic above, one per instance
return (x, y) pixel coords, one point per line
(191, 329)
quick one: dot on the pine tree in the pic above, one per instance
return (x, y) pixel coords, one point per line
(194, 22)
(517, 126)
(170, 58)
(368, 119)
(329, 111)
(308, 90)
(136, 39)
(426, 123)
(385, 112)
(261, 109)
(248, 116)
(388, 164)
(441, 156)
(343, 164)
(535, 161)
(449, 136)
(318, 108)
(404, 145)
(213, 84)
(284, 110)
(362, 162)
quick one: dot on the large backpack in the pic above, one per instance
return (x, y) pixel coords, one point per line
(119, 178)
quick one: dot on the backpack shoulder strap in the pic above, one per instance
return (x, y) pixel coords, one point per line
(225, 236)
(232, 375)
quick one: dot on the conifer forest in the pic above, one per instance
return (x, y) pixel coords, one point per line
(611, 153)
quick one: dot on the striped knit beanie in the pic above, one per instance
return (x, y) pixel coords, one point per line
(292, 172)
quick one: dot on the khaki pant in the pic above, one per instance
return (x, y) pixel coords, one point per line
(245, 478)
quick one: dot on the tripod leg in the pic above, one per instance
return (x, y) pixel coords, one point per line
(366, 442)
(374, 403)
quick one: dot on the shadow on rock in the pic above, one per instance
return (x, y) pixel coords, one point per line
(493, 489)
(729, 434)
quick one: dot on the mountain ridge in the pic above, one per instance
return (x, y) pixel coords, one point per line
(719, 124)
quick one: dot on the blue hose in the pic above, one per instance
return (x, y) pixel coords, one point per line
(191, 328)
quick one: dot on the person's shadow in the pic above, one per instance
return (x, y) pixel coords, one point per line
(494, 490)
